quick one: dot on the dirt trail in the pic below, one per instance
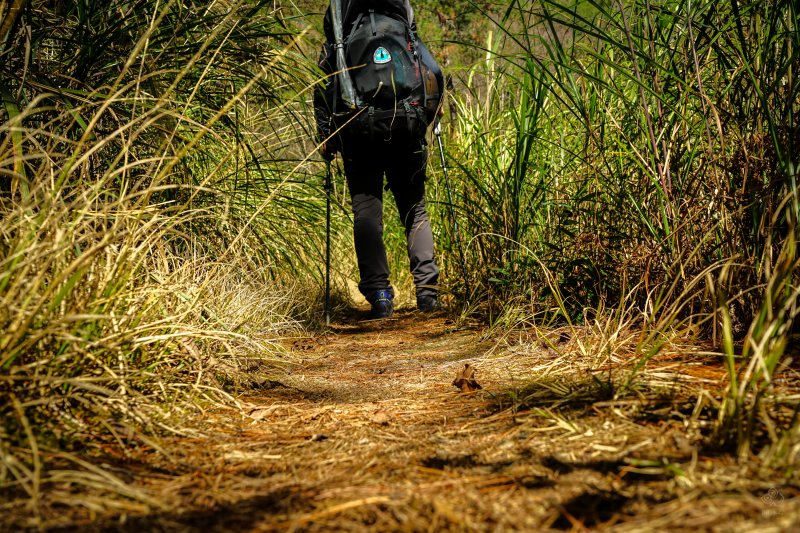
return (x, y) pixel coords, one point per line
(367, 432)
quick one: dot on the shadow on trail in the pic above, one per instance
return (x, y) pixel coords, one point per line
(271, 508)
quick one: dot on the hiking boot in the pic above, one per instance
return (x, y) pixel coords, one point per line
(382, 306)
(428, 303)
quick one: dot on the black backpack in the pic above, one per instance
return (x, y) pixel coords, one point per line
(398, 85)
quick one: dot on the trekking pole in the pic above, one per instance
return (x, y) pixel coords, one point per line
(328, 187)
(437, 129)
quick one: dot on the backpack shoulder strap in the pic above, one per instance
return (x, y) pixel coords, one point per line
(372, 22)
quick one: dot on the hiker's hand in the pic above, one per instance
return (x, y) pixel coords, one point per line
(328, 151)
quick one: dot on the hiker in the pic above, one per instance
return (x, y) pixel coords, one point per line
(394, 88)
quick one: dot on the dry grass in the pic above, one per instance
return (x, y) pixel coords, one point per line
(144, 234)
(365, 430)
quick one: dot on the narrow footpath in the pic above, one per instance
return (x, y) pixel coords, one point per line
(368, 432)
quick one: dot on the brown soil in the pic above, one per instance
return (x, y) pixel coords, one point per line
(367, 431)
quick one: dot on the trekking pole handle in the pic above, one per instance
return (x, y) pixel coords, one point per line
(437, 130)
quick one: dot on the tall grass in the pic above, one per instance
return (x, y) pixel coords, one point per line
(643, 152)
(157, 200)
(154, 215)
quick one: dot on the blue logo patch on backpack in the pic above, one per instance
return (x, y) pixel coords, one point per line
(381, 56)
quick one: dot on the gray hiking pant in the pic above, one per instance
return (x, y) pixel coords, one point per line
(365, 165)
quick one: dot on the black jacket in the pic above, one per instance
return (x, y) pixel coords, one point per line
(325, 91)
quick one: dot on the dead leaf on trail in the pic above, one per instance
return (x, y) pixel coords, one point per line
(268, 384)
(260, 413)
(305, 345)
(465, 379)
(381, 418)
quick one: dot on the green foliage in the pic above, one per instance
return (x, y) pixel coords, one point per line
(633, 154)
(744, 418)
(619, 144)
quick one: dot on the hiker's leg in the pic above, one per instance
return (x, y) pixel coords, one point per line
(406, 178)
(365, 182)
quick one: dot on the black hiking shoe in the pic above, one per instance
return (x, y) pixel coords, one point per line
(428, 303)
(382, 305)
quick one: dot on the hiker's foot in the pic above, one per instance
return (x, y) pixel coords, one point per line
(382, 304)
(428, 303)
